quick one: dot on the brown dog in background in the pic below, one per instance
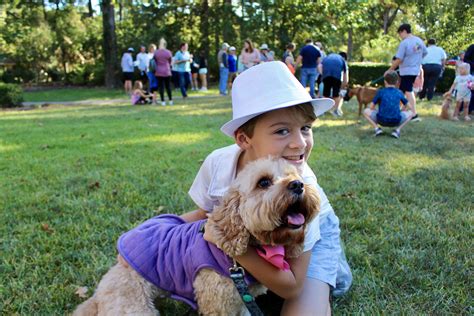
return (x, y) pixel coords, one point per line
(364, 96)
(447, 100)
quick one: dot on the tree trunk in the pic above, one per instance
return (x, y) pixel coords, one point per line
(350, 44)
(109, 44)
(91, 10)
(204, 26)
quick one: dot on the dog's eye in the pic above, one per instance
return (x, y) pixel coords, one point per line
(264, 183)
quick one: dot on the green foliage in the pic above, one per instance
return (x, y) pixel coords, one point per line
(11, 95)
(75, 178)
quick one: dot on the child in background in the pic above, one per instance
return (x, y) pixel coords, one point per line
(232, 63)
(139, 96)
(389, 113)
(463, 84)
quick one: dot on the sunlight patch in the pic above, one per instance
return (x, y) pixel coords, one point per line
(176, 138)
(5, 148)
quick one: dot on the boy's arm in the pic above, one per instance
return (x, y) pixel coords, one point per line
(195, 215)
(286, 284)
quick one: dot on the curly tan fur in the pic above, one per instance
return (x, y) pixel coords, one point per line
(249, 214)
(447, 100)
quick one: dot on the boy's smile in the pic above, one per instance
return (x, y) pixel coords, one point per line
(280, 133)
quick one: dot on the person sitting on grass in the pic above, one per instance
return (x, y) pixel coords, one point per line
(139, 96)
(463, 83)
(389, 113)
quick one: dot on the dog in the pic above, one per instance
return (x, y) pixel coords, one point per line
(267, 204)
(447, 100)
(364, 95)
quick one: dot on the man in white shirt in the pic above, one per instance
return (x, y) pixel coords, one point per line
(143, 60)
(433, 65)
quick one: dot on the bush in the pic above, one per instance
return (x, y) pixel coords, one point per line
(11, 95)
(366, 73)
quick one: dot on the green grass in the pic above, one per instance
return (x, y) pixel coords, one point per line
(74, 178)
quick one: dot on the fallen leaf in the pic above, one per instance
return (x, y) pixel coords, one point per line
(81, 291)
(160, 209)
(94, 185)
(45, 227)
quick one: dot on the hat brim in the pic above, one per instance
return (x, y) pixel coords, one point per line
(320, 106)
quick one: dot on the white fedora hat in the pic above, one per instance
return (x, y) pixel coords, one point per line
(266, 87)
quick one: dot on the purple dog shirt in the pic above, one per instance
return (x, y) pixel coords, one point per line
(169, 252)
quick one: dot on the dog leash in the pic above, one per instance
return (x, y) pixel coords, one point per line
(237, 274)
(379, 79)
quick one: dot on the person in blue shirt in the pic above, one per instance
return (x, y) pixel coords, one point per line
(389, 113)
(309, 58)
(232, 63)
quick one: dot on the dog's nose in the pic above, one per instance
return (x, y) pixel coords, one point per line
(296, 186)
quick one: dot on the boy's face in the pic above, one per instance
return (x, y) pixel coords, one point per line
(280, 133)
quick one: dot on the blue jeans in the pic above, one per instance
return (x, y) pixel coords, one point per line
(309, 74)
(223, 76)
(183, 82)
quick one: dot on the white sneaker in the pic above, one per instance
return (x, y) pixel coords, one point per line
(163, 103)
(203, 89)
(170, 102)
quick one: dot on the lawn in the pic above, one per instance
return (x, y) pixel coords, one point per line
(74, 178)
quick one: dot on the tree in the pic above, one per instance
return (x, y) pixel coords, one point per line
(109, 44)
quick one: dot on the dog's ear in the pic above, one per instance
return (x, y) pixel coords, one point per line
(227, 225)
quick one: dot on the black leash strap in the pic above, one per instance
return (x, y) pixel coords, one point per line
(237, 275)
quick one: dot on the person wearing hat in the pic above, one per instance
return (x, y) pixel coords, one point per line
(266, 54)
(222, 61)
(127, 70)
(274, 118)
(232, 62)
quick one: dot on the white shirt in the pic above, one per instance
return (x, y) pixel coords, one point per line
(435, 55)
(219, 170)
(143, 60)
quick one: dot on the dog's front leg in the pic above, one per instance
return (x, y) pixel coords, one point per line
(217, 295)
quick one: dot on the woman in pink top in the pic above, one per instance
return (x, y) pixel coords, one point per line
(250, 56)
(162, 59)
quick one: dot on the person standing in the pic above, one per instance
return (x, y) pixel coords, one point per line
(222, 61)
(127, 70)
(309, 58)
(232, 62)
(335, 75)
(433, 65)
(152, 81)
(408, 58)
(143, 62)
(203, 70)
(163, 60)
(469, 58)
(249, 56)
(182, 61)
(288, 58)
(266, 54)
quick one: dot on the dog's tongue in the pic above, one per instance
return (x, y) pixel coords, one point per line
(295, 219)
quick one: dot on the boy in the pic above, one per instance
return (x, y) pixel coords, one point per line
(389, 113)
(275, 117)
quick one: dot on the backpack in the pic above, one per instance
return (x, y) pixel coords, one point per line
(152, 65)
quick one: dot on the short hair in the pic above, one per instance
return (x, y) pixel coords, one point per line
(431, 41)
(290, 46)
(404, 27)
(304, 110)
(182, 45)
(391, 77)
(308, 41)
(152, 46)
(343, 55)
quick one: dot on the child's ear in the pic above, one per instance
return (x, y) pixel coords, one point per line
(241, 139)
